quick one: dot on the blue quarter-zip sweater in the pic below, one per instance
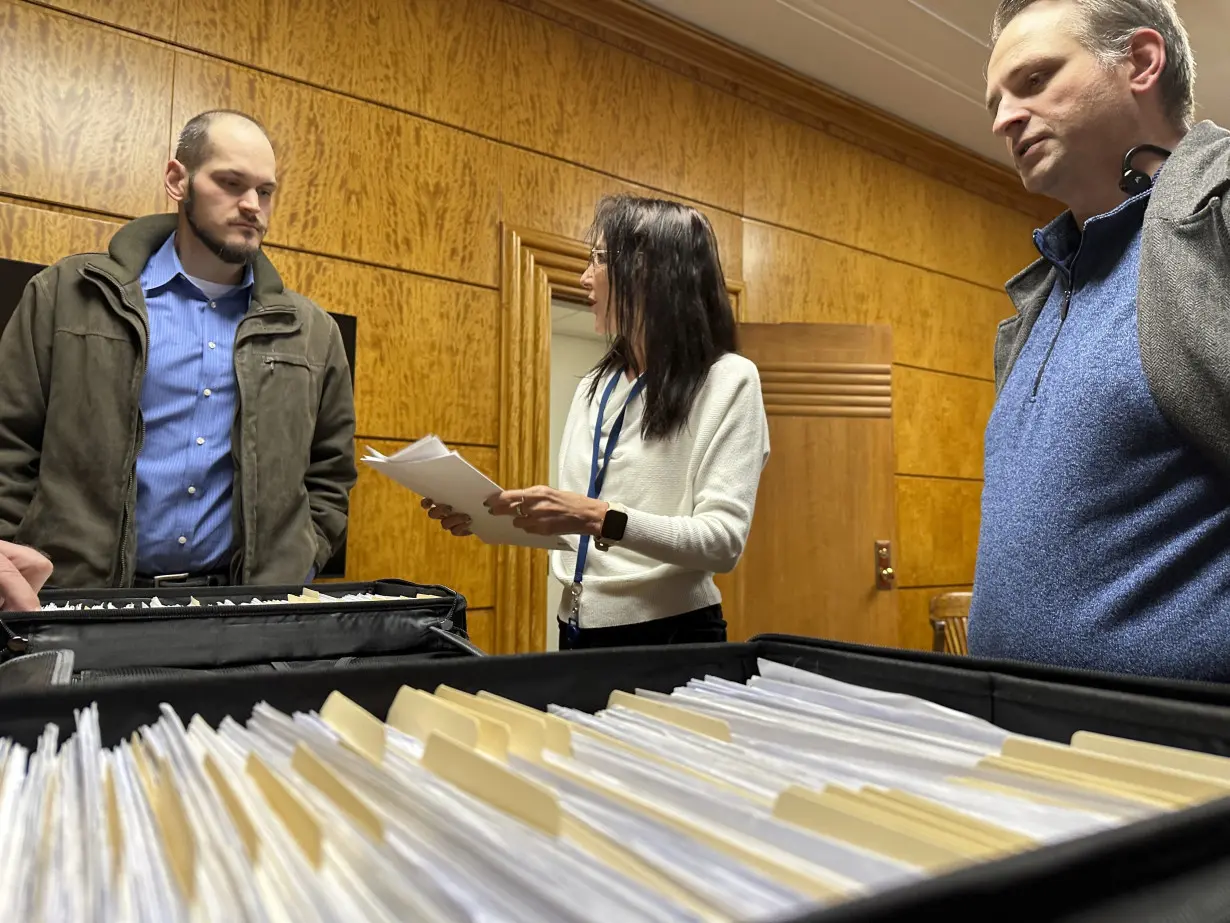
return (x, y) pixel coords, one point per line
(1105, 537)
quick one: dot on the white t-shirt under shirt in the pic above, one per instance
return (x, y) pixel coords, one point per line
(689, 497)
(214, 290)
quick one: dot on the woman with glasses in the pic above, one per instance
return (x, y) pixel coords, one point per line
(665, 440)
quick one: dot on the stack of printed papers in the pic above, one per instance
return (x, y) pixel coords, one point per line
(431, 469)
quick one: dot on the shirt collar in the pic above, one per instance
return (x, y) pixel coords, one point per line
(164, 267)
(1060, 240)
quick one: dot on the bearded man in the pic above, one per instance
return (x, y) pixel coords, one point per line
(170, 413)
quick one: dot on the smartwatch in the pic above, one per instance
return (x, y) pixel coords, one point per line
(613, 526)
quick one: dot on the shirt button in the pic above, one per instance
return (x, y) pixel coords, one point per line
(207, 392)
(212, 305)
(192, 490)
(212, 345)
(200, 440)
(183, 540)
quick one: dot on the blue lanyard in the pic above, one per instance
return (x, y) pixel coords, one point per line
(598, 475)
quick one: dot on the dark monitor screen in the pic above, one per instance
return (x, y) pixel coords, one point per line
(14, 275)
(13, 278)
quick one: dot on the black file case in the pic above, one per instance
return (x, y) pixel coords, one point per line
(178, 640)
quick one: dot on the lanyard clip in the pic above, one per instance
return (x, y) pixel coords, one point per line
(574, 605)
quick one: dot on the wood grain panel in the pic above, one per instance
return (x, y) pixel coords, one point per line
(427, 354)
(480, 624)
(938, 322)
(914, 615)
(391, 536)
(150, 17)
(361, 181)
(438, 58)
(940, 423)
(39, 235)
(801, 178)
(84, 114)
(559, 198)
(643, 30)
(583, 100)
(937, 521)
(822, 389)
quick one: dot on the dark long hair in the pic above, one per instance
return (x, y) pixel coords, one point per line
(667, 287)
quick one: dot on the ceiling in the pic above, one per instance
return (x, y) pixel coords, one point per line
(920, 60)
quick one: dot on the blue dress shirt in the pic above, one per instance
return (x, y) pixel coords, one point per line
(188, 402)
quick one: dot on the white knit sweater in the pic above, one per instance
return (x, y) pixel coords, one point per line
(689, 498)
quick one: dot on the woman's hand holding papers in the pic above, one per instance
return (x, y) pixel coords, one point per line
(537, 510)
(457, 523)
(544, 510)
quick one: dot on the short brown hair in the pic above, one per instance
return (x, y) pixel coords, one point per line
(193, 147)
(1106, 31)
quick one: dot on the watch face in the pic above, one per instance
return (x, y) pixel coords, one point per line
(614, 524)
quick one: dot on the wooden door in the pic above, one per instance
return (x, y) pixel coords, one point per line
(827, 495)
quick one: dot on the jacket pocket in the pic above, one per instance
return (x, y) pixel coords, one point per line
(287, 402)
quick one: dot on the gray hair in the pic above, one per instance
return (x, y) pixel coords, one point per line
(194, 147)
(1107, 30)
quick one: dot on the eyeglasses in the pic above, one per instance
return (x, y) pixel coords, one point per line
(598, 256)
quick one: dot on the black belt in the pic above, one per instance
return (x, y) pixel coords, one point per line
(220, 577)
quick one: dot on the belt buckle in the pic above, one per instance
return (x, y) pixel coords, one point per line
(168, 579)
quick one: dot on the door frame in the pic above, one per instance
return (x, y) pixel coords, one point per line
(535, 268)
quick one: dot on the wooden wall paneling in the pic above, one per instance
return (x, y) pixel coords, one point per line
(583, 100)
(655, 35)
(390, 535)
(938, 322)
(358, 180)
(914, 615)
(525, 374)
(39, 235)
(939, 423)
(937, 522)
(438, 58)
(83, 121)
(480, 625)
(150, 17)
(427, 353)
(550, 195)
(801, 178)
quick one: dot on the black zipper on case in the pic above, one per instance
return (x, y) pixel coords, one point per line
(167, 613)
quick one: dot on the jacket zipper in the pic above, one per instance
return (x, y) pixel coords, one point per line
(246, 532)
(1063, 316)
(1069, 277)
(126, 519)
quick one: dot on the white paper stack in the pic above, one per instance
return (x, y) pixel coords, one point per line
(430, 469)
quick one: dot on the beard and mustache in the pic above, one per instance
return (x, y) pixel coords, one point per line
(241, 255)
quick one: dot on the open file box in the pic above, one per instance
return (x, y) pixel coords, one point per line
(1173, 866)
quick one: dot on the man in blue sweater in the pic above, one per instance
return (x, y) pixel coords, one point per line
(1105, 540)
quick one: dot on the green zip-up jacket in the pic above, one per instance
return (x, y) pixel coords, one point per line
(72, 360)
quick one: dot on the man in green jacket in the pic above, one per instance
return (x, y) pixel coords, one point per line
(1105, 540)
(169, 412)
